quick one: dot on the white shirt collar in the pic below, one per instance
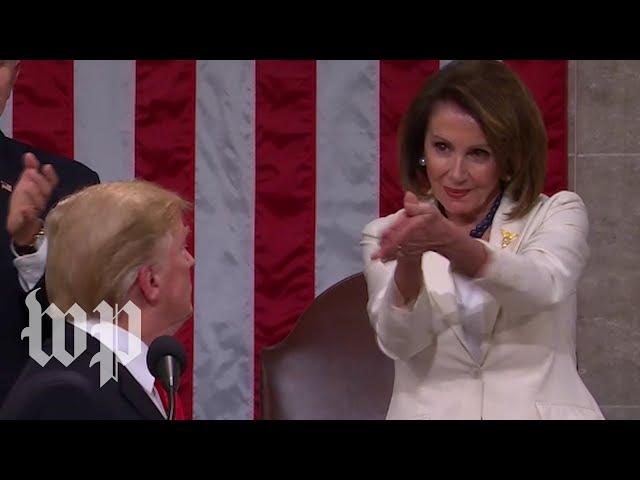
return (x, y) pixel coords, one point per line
(137, 366)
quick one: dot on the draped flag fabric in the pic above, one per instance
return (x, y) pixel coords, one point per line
(284, 161)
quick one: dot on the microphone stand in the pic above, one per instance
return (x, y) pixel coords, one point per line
(172, 405)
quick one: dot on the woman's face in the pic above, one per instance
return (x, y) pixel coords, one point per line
(461, 167)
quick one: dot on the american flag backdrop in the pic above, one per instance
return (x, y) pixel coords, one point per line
(285, 162)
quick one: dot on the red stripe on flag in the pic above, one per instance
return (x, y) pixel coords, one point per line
(165, 153)
(284, 199)
(43, 105)
(400, 81)
(547, 80)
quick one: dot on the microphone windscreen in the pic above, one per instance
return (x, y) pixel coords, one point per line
(161, 347)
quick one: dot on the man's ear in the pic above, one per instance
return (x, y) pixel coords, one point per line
(148, 284)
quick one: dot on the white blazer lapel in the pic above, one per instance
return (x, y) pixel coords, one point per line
(439, 284)
(506, 234)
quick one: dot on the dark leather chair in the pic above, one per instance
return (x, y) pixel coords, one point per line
(329, 366)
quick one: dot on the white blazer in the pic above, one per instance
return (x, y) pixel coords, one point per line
(528, 349)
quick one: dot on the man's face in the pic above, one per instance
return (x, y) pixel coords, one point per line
(174, 276)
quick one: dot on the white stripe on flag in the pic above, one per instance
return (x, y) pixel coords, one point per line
(6, 120)
(104, 116)
(224, 240)
(347, 165)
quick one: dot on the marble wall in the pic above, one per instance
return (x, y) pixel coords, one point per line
(604, 169)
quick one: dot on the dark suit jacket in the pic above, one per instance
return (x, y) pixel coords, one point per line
(56, 392)
(13, 312)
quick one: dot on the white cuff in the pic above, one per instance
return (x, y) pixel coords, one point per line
(30, 267)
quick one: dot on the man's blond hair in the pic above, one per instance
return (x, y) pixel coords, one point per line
(99, 237)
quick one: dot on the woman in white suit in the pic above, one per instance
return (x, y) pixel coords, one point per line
(472, 285)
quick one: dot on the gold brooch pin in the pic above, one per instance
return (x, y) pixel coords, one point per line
(507, 237)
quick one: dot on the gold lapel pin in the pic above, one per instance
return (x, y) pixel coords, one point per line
(507, 237)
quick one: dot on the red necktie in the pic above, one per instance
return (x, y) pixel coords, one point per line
(165, 402)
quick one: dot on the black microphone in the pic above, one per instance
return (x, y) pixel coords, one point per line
(166, 360)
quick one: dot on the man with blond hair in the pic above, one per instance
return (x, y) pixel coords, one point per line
(114, 244)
